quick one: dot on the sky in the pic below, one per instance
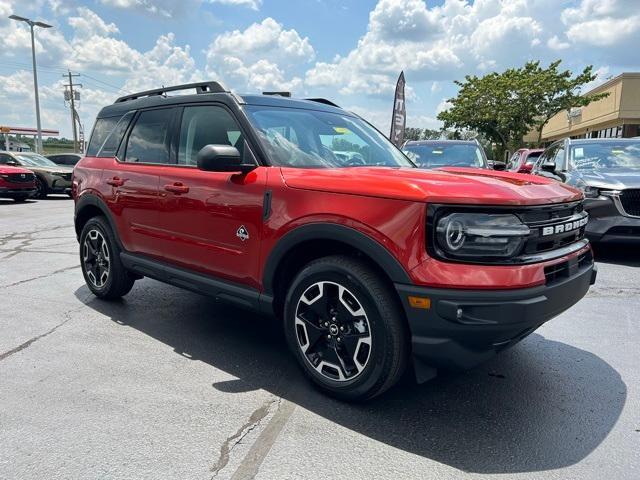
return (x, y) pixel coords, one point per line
(349, 51)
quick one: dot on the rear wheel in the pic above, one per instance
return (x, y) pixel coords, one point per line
(102, 269)
(20, 198)
(346, 328)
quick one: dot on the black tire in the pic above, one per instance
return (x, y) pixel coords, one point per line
(117, 282)
(43, 189)
(381, 318)
(20, 199)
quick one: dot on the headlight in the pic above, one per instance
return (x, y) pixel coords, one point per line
(464, 235)
(590, 192)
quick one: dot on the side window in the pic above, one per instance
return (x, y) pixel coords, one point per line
(513, 161)
(4, 158)
(111, 144)
(150, 137)
(206, 125)
(101, 130)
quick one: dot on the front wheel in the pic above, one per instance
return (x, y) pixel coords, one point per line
(102, 268)
(42, 189)
(346, 328)
(20, 198)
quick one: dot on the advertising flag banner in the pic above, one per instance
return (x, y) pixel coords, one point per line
(399, 120)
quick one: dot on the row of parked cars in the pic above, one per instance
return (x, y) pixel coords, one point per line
(25, 175)
(606, 170)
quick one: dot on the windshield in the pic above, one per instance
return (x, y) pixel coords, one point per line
(313, 139)
(603, 155)
(443, 154)
(35, 160)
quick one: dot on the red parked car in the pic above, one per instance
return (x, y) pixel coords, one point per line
(369, 261)
(522, 160)
(16, 183)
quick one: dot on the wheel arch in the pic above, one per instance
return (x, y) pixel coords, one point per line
(89, 206)
(309, 242)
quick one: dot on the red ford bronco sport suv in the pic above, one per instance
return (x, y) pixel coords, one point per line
(371, 263)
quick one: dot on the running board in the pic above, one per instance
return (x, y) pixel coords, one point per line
(221, 290)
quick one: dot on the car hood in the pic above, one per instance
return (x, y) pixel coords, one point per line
(57, 169)
(10, 169)
(614, 178)
(449, 185)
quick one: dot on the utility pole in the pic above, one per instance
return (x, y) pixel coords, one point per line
(32, 24)
(74, 114)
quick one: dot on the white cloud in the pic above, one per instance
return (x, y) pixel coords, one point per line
(603, 23)
(253, 4)
(164, 8)
(260, 57)
(554, 43)
(88, 24)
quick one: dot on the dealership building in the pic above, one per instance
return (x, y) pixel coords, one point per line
(615, 116)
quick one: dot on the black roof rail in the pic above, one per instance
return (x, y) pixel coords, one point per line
(323, 100)
(200, 87)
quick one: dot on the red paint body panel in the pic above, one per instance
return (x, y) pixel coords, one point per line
(450, 185)
(189, 217)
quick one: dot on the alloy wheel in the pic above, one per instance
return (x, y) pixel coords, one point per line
(333, 331)
(95, 257)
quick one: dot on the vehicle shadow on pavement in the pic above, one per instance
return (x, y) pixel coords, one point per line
(628, 255)
(541, 405)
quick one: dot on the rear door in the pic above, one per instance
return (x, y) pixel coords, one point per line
(133, 178)
(212, 220)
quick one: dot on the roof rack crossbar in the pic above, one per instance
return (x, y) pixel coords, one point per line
(322, 100)
(200, 87)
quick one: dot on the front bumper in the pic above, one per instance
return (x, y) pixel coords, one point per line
(60, 185)
(463, 328)
(12, 191)
(608, 224)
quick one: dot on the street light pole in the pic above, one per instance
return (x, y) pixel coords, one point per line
(32, 24)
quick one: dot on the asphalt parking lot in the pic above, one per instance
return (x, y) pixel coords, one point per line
(168, 384)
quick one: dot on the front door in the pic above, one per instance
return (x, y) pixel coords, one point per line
(212, 220)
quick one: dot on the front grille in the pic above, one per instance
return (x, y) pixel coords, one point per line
(630, 200)
(20, 177)
(555, 219)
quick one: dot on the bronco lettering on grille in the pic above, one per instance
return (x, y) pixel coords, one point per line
(564, 227)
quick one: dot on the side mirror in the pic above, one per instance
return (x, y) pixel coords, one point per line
(222, 158)
(499, 166)
(548, 167)
(11, 163)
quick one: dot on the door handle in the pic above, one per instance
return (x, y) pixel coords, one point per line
(176, 188)
(115, 181)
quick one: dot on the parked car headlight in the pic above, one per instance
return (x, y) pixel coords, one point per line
(464, 235)
(591, 192)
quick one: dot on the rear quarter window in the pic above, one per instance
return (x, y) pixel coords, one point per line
(101, 130)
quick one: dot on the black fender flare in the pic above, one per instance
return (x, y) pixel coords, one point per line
(90, 200)
(333, 231)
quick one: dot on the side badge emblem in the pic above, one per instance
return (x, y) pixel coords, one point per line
(242, 233)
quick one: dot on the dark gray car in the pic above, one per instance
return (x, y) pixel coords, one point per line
(608, 171)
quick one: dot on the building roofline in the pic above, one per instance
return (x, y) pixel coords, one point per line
(612, 81)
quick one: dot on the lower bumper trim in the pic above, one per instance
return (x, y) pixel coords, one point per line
(466, 327)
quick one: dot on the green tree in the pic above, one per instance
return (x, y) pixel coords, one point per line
(504, 107)
(559, 92)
